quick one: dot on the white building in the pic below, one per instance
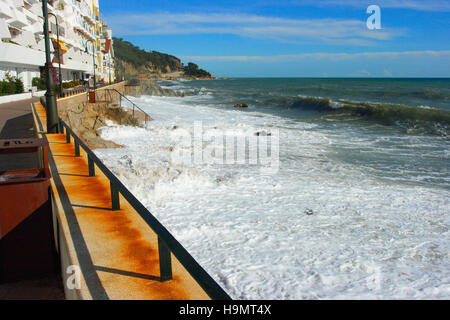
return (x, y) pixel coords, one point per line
(22, 50)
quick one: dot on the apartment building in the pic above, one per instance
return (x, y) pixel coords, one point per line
(83, 39)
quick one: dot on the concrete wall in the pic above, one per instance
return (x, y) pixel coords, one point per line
(77, 99)
(20, 96)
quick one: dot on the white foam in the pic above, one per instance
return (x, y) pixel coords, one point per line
(367, 239)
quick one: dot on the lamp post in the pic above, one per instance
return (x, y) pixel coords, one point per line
(52, 110)
(59, 54)
(93, 60)
(109, 55)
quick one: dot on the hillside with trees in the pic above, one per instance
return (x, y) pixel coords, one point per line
(132, 61)
(193, 70)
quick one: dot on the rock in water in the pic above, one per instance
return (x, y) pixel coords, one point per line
(149, 87)
(241, 105)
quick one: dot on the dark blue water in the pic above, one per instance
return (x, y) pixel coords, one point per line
(395, 129)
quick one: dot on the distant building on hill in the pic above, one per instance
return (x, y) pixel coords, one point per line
(22, 50)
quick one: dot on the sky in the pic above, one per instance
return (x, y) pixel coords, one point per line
(291, 38)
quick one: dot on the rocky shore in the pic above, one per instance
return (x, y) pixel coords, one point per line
(148, 87)
(87, 118)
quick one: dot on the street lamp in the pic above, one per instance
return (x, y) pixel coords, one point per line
(52, 109)
(109, 55)
(59, 54)
(93, 59)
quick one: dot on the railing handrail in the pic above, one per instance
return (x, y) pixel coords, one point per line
(193, 267)
(165, 239)
(123, 96)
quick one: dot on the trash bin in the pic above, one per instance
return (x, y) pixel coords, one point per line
(91, 96)
(27, 242)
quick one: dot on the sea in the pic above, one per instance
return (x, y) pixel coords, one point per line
(357, 208)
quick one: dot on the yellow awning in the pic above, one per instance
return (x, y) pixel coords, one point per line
(62, 45)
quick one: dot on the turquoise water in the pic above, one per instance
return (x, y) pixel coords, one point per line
(394, 129)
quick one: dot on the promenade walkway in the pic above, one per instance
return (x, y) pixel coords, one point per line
(16, 121)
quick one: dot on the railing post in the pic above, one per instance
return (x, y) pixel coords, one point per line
(61, 127)
(115, 202)
(67, 135)
(165, 261)
(91, 167)
(77, 148)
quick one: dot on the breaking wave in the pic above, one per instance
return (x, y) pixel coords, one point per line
(413, 119)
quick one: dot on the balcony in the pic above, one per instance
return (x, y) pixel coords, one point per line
(16, 3)
(90, 36)
(26, 39)
(40, 45)
(36, 8)
(6, 12)
(31, 16)
(12, 53)
(36, 28)
(60, 15)
(78, 27)
(50, 7)
(19, 20)
(88, 19)
(4, 31)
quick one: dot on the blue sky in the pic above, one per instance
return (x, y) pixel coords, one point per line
(291, 38)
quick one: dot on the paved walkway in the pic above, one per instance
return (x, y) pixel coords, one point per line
(48, 288)
(16, 119)
(16, 122)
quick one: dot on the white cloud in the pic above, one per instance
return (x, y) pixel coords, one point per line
(331, 31)
(419, 5)
(320, 56)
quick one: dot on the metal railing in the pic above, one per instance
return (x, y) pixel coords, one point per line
(167, 243)
(108, 93)
(71, 92)
(84, 88)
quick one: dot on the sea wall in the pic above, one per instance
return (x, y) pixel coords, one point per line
(86, 118)
(77, 99)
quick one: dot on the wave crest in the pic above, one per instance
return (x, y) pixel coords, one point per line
(414, 119)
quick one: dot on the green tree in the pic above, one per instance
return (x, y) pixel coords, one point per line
(39, 83)
(193, 70)
(11, 85)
